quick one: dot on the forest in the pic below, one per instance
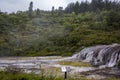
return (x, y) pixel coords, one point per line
(59, 31)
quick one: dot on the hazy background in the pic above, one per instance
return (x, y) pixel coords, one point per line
(22, 5)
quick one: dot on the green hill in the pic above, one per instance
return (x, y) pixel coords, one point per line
(56, 32)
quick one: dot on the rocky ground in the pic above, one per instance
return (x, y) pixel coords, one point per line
(50, 65)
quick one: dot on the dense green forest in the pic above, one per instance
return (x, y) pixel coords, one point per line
(59, 31)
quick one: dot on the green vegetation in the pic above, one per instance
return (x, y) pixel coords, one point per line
(59, 32)
(118, 64)
(23, 76)
(31, 9)
(76, 64)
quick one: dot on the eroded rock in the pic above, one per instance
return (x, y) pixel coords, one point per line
(107, 55)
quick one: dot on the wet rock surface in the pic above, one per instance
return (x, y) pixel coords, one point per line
(102, 55)
(36, 64)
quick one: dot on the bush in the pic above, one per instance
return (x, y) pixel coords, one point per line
(118, 64)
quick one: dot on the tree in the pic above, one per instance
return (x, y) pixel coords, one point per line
(84, 6)
(60, 10)
(38, 12)
(70, 8)
(94, 5)
(31, 9)
(0, 12)
(53, 9)
(76, 8)
(113, 20)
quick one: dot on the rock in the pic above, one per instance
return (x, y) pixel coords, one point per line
(107, 55)
(95, 77)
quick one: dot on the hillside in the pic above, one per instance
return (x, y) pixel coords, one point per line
(56, 32)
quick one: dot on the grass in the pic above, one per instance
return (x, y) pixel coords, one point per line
(52, 58)
(51, 70)
(23, 76)
(44, 76)
(75, 63)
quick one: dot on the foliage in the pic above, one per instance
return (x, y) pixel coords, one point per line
(113, 20)
(56, 32)
(118, 64)
(94, 6)
(31, 9)
(24, 76)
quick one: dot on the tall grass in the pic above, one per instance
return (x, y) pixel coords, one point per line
(24, 76)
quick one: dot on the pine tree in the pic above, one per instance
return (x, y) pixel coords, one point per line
(53, 9)
(60, 10)
(31, 9)
(76, 8)
(38, 12)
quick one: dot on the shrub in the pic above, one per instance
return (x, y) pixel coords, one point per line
(118, 64)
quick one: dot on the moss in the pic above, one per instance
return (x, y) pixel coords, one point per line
(75, 63)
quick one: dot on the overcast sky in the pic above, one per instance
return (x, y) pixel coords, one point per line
(22, 5)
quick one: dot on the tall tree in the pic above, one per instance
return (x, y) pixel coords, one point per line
(38, 12)
(53, 9)
(60, 10)
(76, 8)
(93, 6)
(84, 6)
(70, 8)
(31, 9)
